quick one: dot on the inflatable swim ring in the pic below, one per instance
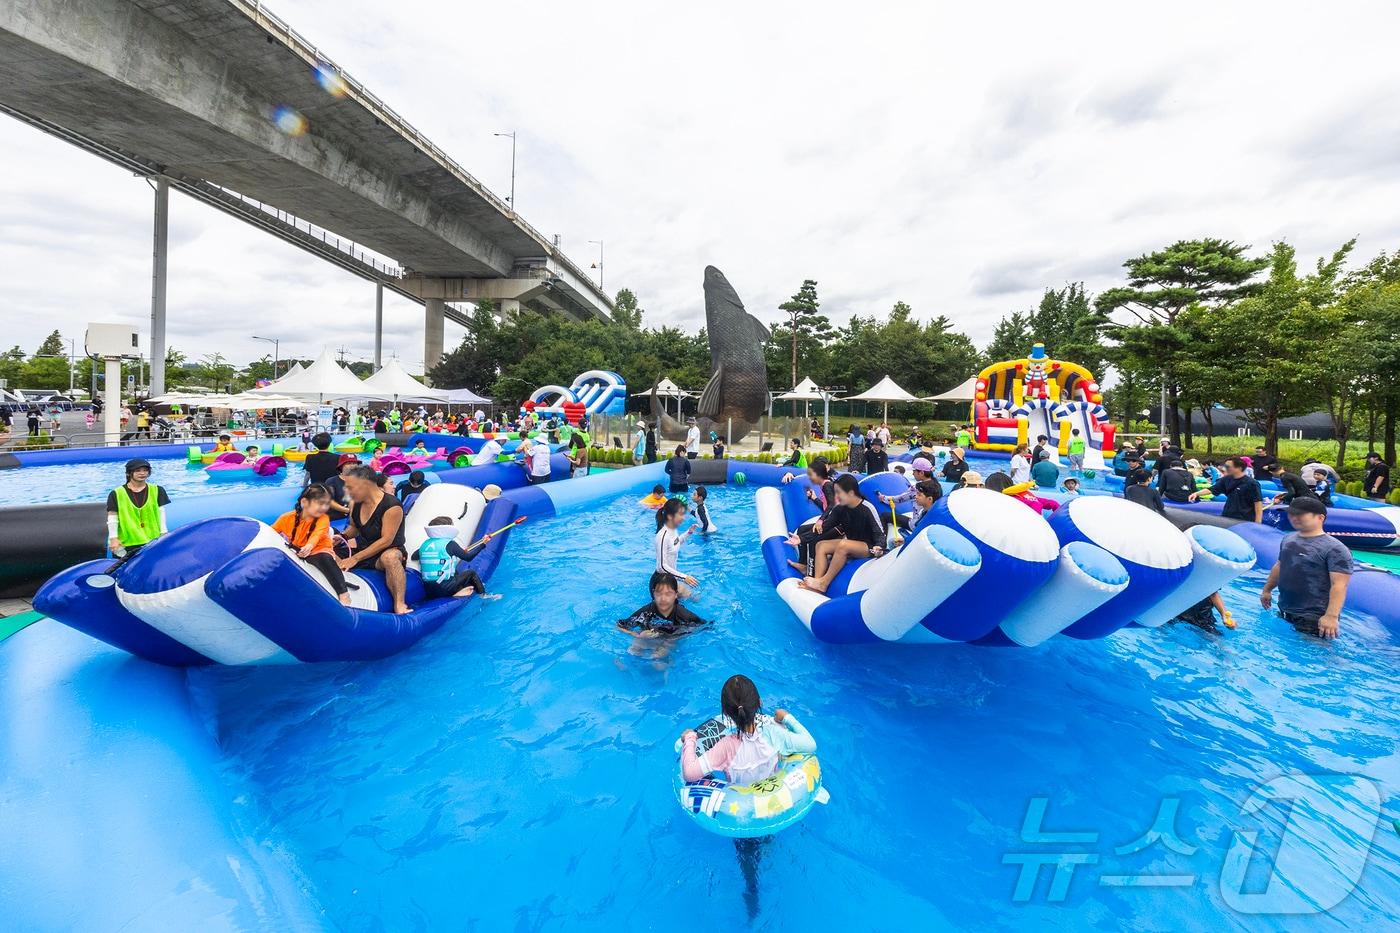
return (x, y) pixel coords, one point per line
(746, 810)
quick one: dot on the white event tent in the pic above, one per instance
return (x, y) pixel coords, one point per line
(886, 390)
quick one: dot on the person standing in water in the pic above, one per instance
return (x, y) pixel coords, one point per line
(1312, 573)
(135, 511)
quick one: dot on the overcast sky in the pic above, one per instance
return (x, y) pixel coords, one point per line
(960, 157)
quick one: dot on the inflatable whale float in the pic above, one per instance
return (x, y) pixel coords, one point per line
(230, 591)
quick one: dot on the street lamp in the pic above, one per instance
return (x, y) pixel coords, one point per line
(599, 264)
(276, 346)
(511, 199)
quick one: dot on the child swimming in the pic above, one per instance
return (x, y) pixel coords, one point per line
(657, 498)
(752, 752)
(669, 540)
(664, 615)
(307, 529)
(699, 497)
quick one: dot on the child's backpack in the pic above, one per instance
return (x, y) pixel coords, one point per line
(434, 563)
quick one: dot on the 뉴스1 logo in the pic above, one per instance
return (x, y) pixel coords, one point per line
(1329, 824)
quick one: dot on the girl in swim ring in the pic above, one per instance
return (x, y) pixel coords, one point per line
(752, 752)
(668, 541)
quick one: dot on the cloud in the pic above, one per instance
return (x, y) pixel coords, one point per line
(960, 158)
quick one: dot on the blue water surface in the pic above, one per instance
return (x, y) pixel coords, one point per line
(513, 771)
(90, 482)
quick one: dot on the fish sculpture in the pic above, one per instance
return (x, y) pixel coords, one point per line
(737, 394)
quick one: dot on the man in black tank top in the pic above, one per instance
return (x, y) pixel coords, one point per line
(376, 528)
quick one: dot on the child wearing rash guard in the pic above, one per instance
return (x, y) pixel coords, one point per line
(752, 752)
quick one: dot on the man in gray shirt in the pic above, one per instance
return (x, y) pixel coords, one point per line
(1312, 572)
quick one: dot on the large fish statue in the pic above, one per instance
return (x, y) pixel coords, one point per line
(738, 390)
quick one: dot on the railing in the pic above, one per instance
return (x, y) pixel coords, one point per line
(298, 43)
(82, 439)
(350, 248)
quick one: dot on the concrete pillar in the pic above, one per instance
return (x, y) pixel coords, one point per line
(112, 403)
(158, 263)
(509, 306)
(378, 325)
(433, 329)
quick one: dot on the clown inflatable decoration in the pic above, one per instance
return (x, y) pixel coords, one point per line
(1019, 400)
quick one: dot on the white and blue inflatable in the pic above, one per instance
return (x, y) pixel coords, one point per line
(982, 568)
(599, 391)
(228, 590)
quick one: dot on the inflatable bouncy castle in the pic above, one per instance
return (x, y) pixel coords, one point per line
(1019, 400)
(596, 392)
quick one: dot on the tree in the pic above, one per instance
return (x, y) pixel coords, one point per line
(12, 365)
(215, 371)
(627, 312)
(44, 372)
(807, 327)
(1011, 338)
(1161, 285)
(53, 345)
(1272, 339)
(1066, 321)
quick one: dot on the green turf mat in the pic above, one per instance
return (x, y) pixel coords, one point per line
(11, 624)
(1386, 560)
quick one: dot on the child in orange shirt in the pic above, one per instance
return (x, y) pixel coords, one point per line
(308, 532)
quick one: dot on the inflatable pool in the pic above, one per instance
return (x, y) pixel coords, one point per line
(229, 591)
(983, 568)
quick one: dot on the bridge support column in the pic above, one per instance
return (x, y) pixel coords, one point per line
(158, 262)
(433, 329)
(508, 307)
(378, 325)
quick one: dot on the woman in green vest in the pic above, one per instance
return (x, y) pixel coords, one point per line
(135, 511)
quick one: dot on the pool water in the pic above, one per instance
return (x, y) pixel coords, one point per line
(514, 770)
(90, 482)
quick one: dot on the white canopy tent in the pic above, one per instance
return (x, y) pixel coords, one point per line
(323, 379)
(965, 391)
(886, 390)
(808, 391)
(292, 370)
(667, 389)
(466, 397)
(393, 383)
(804, 391)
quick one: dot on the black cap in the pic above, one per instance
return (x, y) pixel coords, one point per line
(135, 464)
(1307, 505)
(1137, 476)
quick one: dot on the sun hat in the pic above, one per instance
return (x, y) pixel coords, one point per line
(922, 464)
(972, 478)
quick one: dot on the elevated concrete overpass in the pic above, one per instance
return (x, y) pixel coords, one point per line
(220, 99)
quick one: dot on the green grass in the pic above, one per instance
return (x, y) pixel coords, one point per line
(1291, 452)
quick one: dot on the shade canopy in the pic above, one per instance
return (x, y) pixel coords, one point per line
(393, 382)
(804, 391)
(247, 400)
(665, 387)
(965, 391)
(465, 397)
(886, 390)
(323, 379)
(292, 370)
